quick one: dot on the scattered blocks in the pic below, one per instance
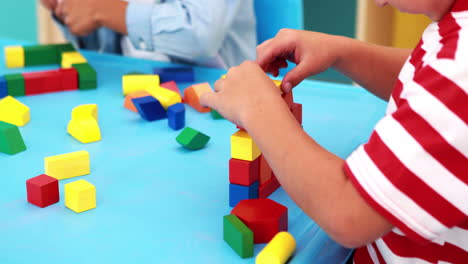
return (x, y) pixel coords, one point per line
(14, 56)
(14, 112)
(42, 82)
(3, 87)
(264, 217)
(243, 147)
(192, 139)
(278, 250)
(192, 96)
(42, 190)
(67, 165)
(243, 172)
(296, 109)
(238, 193)
(165, 96)
(69, 79)
(11, 141)
(84, 124)
(15, 83)
(176, 116)
(87, 76)
(80, 196)
(72, 57)
(149, 108)
(172, 85)
(128, 103)
(177, 74)
(216, 115)
(238, 236)
(135, 83)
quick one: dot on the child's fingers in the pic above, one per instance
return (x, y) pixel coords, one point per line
(277, 47)
(294, 77)
(208, 99)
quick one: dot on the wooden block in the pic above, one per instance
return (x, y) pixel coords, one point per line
(42, 190)
(176, 116)
(296, 109)
(11, 141)
(69, 79)
(42, 82)
(278, 250)
(3, 87)
(14, 57)
(15, 83)
(243, 172)
(277, 83)
(172, 85)
(216, 115)
(85, 131)
(238, 193)
(67, 165)
(268, 188)
(61, 48)
(14, 112)
(135, 83)
(72, 57)
(128, 103)
(80, 196)
(192, 96)
(289, 99)
(165, 96)
(87, 76)
(265, 171)
(238, 236)
(40, 55)
(192, 139)
(177, 74)
(85, 112)
(243, 147)
(149, 108)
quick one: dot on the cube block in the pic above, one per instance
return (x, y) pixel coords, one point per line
(15, 83)
(244, 172)
(42, 190)
(69, 79)
(238, 236)
(243, 147)
(87, 76)
(238, 193)
(14, 56)
(42, 82)
(67, 165)
(80, 196)
(71, 57)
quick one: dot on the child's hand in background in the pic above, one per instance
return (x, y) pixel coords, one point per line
(50, 4)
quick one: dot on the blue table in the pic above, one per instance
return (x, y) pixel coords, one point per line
(156, 202)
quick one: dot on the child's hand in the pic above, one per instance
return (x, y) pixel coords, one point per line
(312, 52)
(246, 93)
(80, 16)
(49, 4)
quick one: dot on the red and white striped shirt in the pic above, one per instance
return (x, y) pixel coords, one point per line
(414, 169)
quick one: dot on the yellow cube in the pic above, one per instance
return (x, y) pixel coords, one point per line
(14, 56)
(14, 112)
(80, 196)
(135, 83)
(72, 57)
(278, 251)
(84, 130)
(165, 96)
(67, 165)
(243, 147)
(87, 111)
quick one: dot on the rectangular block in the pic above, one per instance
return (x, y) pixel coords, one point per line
(238, 236)
(40, 55)
(42, 82)
(80, 196)
(149, 108)
(238, 193)
(243, 172)
(14, 112)
(15, 84)
(42, 190)
(69, 79)
(135, 83)
(243, 147)
(14, 56)
(67, 165)
(3, 87)
(176, 116)
(177, 74)
(297, 112)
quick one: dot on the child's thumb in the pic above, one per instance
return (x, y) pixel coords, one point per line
(208, 99)
(294, 77)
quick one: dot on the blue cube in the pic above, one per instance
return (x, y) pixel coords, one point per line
(176, 116)
(3, 87)
(240, 192)
(149, 108)
(177, 74)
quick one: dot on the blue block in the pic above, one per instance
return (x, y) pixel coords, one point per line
(240, 192)
(176, 116)
(3, 87)
(149, 108)
(177, 74)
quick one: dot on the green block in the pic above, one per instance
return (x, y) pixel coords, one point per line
(87, 76)
(192, 139)
(11, 141)
(60, 48)
(216, 115)
(15, 83)
(40, 55)
(238, 236)
(136, 73)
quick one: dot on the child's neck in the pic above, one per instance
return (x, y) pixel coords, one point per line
(439, 9)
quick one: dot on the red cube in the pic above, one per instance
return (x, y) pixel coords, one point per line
(42, 82)
(243, 172)
(69, 79)
(42, 190)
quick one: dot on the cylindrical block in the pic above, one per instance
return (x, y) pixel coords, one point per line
(278, 251)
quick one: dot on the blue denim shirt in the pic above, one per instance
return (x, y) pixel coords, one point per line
(220, 33)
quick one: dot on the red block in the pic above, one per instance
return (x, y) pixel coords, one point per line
(288, 98)
(172, 85)
(69, 79)
(269, 187)
(296, 109)
(264, 217)
(264, 171)
(42, 190)
(42, 82)
(243, 172)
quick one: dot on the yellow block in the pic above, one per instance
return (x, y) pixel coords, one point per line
(243, 147)
(80, 196)
(278, 251)
(86, 111)
(14, 112)
(135, 83)
(277, 82)
(165, 96)
(84, 130)
(14, 57)
(72, 57)
(67, 165)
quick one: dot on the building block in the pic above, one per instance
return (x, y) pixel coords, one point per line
(268, 187)
(176, 116)
(265, 171)
(135, 83)
(172, 85)
(84, 112)
(69, 79)
(80, 196)
(61, 48)
(11, 141)
(71, 57)
(192, 96)
(296, 109)
(85, 131)
(14, 57)
(238, 236)
(14, 112)
(87, 76)
(192, 139)
(42, 190)
(243, 172)
(277, 83)
(289, 99)
(67, 165)
(278, 250)
(149, 108)
(128, 103)
(243, 147)
(40, 55)
(15, 83)
(177, 74)
(264, 217)
(3, 87)
(238, 193)
(165, 96)
(42, 82)
(216, 115)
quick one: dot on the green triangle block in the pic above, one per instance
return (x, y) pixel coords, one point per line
(11, 141)
(15, 83)
(238, 236)
(192, 139)
(216, 115)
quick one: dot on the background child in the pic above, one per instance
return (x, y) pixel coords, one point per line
(215, 33)
(403, 196)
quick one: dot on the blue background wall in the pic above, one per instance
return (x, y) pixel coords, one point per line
(18, 20)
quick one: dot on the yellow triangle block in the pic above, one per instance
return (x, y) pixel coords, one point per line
(84, 130)
(14, 112)
(87, 111)
(165, 96)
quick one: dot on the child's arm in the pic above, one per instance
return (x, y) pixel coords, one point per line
(311, 175)
(374, 67)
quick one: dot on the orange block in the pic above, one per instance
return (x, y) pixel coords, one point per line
(128, 103)
(192, 96)
(265, 171)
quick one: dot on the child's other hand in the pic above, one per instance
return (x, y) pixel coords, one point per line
(80, 16)
(312, 52)
(49, 4)
(246, 93)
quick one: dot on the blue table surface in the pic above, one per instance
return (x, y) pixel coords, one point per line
(156, 202)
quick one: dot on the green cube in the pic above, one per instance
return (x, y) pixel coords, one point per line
(87, 76)
(40, 55)
(238, 236)
(15, 83)
(11, 141)
(192, 139)
(216, 115)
